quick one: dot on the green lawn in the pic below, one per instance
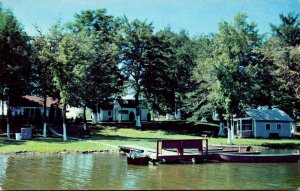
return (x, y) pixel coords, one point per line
(110, 138)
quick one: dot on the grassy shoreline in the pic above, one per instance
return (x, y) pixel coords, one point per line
(109, 139)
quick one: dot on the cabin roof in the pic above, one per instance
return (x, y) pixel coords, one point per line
(266, 114)
(32, 101)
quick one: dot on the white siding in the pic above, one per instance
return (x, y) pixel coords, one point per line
(117, 116)
(104, 115)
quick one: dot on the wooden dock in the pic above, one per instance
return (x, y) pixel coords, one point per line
(184, 151)
(174, 151)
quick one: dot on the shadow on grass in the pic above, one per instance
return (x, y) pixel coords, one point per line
(190, 132)
(169, 127)
(99, 136)
(37, 139)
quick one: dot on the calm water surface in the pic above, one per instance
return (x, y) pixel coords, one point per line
(110, 171)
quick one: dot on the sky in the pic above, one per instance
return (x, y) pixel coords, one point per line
(196, 16)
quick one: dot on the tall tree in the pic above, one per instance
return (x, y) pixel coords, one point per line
(289, 29)
(63, 51)
(14, 59)
(42, 81)
(236, 51)
(182, 60)
(135, 56)
(196, 104)
(233, 51)
(157, 80)
(285, 57)
(275, 74)
(97, 37)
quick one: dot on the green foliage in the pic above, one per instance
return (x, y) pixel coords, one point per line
(14, 55)
(289, 30)
(196, 102)
(96, 35)
(136, 55)
(221, 76)
(92, 59)
(278, 71)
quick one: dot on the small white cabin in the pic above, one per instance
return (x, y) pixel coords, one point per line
(263, 122)
(106, 112)
(123, 109)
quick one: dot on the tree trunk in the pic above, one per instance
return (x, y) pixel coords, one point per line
(229, 141)
(270, 101)
(3, 107)
(64, 123)
(84, 117)
(45, 117)
(8, 117)
(95, 115)
(138, 119)
(221, 129)
(232, 127)
(153, 108)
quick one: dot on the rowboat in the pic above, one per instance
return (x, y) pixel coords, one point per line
(259, 158)
(230, 147)
(137, 158)
(215, 156)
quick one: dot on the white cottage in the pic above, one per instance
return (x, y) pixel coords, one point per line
(263, 122)
(123, 109)
(106, 112)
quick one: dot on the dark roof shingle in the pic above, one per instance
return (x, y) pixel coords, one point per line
(32, 101)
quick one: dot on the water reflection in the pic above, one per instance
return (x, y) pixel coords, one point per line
(76, 171)
(110, 171)
(3, 167)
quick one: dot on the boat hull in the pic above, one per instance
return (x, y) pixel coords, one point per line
(260, 158)
(138, 161)
(230, 147)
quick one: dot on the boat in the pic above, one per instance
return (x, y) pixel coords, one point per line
(127, 149)
(215, 156)
(259, 158)
(137, 158)
(241, 148)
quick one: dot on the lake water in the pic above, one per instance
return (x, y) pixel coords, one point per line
(110, 171)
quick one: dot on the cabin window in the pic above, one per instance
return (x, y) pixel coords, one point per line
(124, 111)
(109, 113)
(278, 126)
(268, 126)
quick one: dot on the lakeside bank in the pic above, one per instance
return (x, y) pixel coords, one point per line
(108, 140)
